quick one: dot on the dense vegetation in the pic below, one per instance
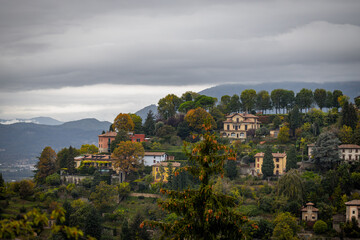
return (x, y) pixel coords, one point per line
(211, 196)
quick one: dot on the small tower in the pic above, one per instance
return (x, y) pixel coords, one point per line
(309, 213)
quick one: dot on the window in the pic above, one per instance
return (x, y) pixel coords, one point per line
(277, 172)
(350, 150)
(349, 157)
(245, 127)
(228, 127)
(156, 169)
(154, 161)
(237, 120)
(138, 140)
(353, 211)
(258, 165)
(277, 165)
(343, 150)
(356, 151)
(236, 127)
(277, 159)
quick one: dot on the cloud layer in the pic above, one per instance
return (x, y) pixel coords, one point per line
(52, 44)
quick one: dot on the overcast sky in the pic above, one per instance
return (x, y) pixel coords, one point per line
(77, 59)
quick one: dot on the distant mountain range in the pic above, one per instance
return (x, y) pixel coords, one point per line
(25, 141)
(351, 89)
(144, 112)
(37, 120)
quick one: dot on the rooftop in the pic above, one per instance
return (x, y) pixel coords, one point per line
(108, 134)
(165, 164)
(353, 203)
(352, 146)
(155, 153)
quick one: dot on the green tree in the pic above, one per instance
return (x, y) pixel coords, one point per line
(284, 135)
(291, 159)
(121, 136)
(320, 227)
(320, 97)
(205, 102)
(203, 214)
(88, 149)
(336, 94)
(357, 102)
(263, 101)
(137, 232)
(186, 106)
(346, 135)
(124, 122)
(149, 124)
(276, 96)
(326, 151)
(304, 98)
(234, 104)
(104, 197)
(329, 99)
(137, 120)
(224, 104)
(46, 165)
(231, 169)
(295, 120)
(248, 99)
(286, 227)
(267, 167)
(168, 106)
(349, 115)
(65, 158)
(291, 186)
(53, 179)
(93, 222)
(287, 99)
(26, 188)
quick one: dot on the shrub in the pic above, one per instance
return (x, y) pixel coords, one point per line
(320, 227)
(53, 179)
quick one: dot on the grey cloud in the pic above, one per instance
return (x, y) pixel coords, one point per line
(52, 44)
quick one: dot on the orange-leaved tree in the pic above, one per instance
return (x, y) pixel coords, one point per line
(123, 121)
(203, 213)
(197, 117)
(128, 155)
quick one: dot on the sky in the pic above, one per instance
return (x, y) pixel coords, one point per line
(79, 59)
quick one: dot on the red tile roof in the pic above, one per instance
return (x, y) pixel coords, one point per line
(108, 134)
(261, 154)
(347, 146)
(165, 164)
(154, 153)
(353, 203)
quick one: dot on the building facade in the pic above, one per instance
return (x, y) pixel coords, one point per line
(105, 141)
(160, 171)
(279, 163)
(309, 213)
(353, 210)
(151, 158)
(349, 152)
(236, 125)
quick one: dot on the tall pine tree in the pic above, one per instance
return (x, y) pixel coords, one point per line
(203, 213)
(149, 124)
(291, 159)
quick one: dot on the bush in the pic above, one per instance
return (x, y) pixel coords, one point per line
(53, 179)
(320, 227)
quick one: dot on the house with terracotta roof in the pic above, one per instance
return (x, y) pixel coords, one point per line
(279, 163)
(353, 210)
(236, 125)
(349, 152)
(105, 141)
(160, 171)
(309, 213)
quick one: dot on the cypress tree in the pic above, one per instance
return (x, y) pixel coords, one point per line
(268, 166)
(291, 159)
(149, 124)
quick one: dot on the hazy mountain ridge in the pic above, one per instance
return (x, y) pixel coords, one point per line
(37, 120)
(351, 89)
(21, 141)
(144, 111)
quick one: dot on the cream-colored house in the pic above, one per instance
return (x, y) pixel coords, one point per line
(353, 210)
(160, 170)
(236, 125)
(349, 152)
(309, 213)
(279, 163)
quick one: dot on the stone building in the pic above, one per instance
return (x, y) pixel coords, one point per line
(309, 213)
(353, 210)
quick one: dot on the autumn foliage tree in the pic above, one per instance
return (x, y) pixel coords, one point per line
(128, 155)
(123, 121)
(203, 213)
(46, 165)
(197, 117)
